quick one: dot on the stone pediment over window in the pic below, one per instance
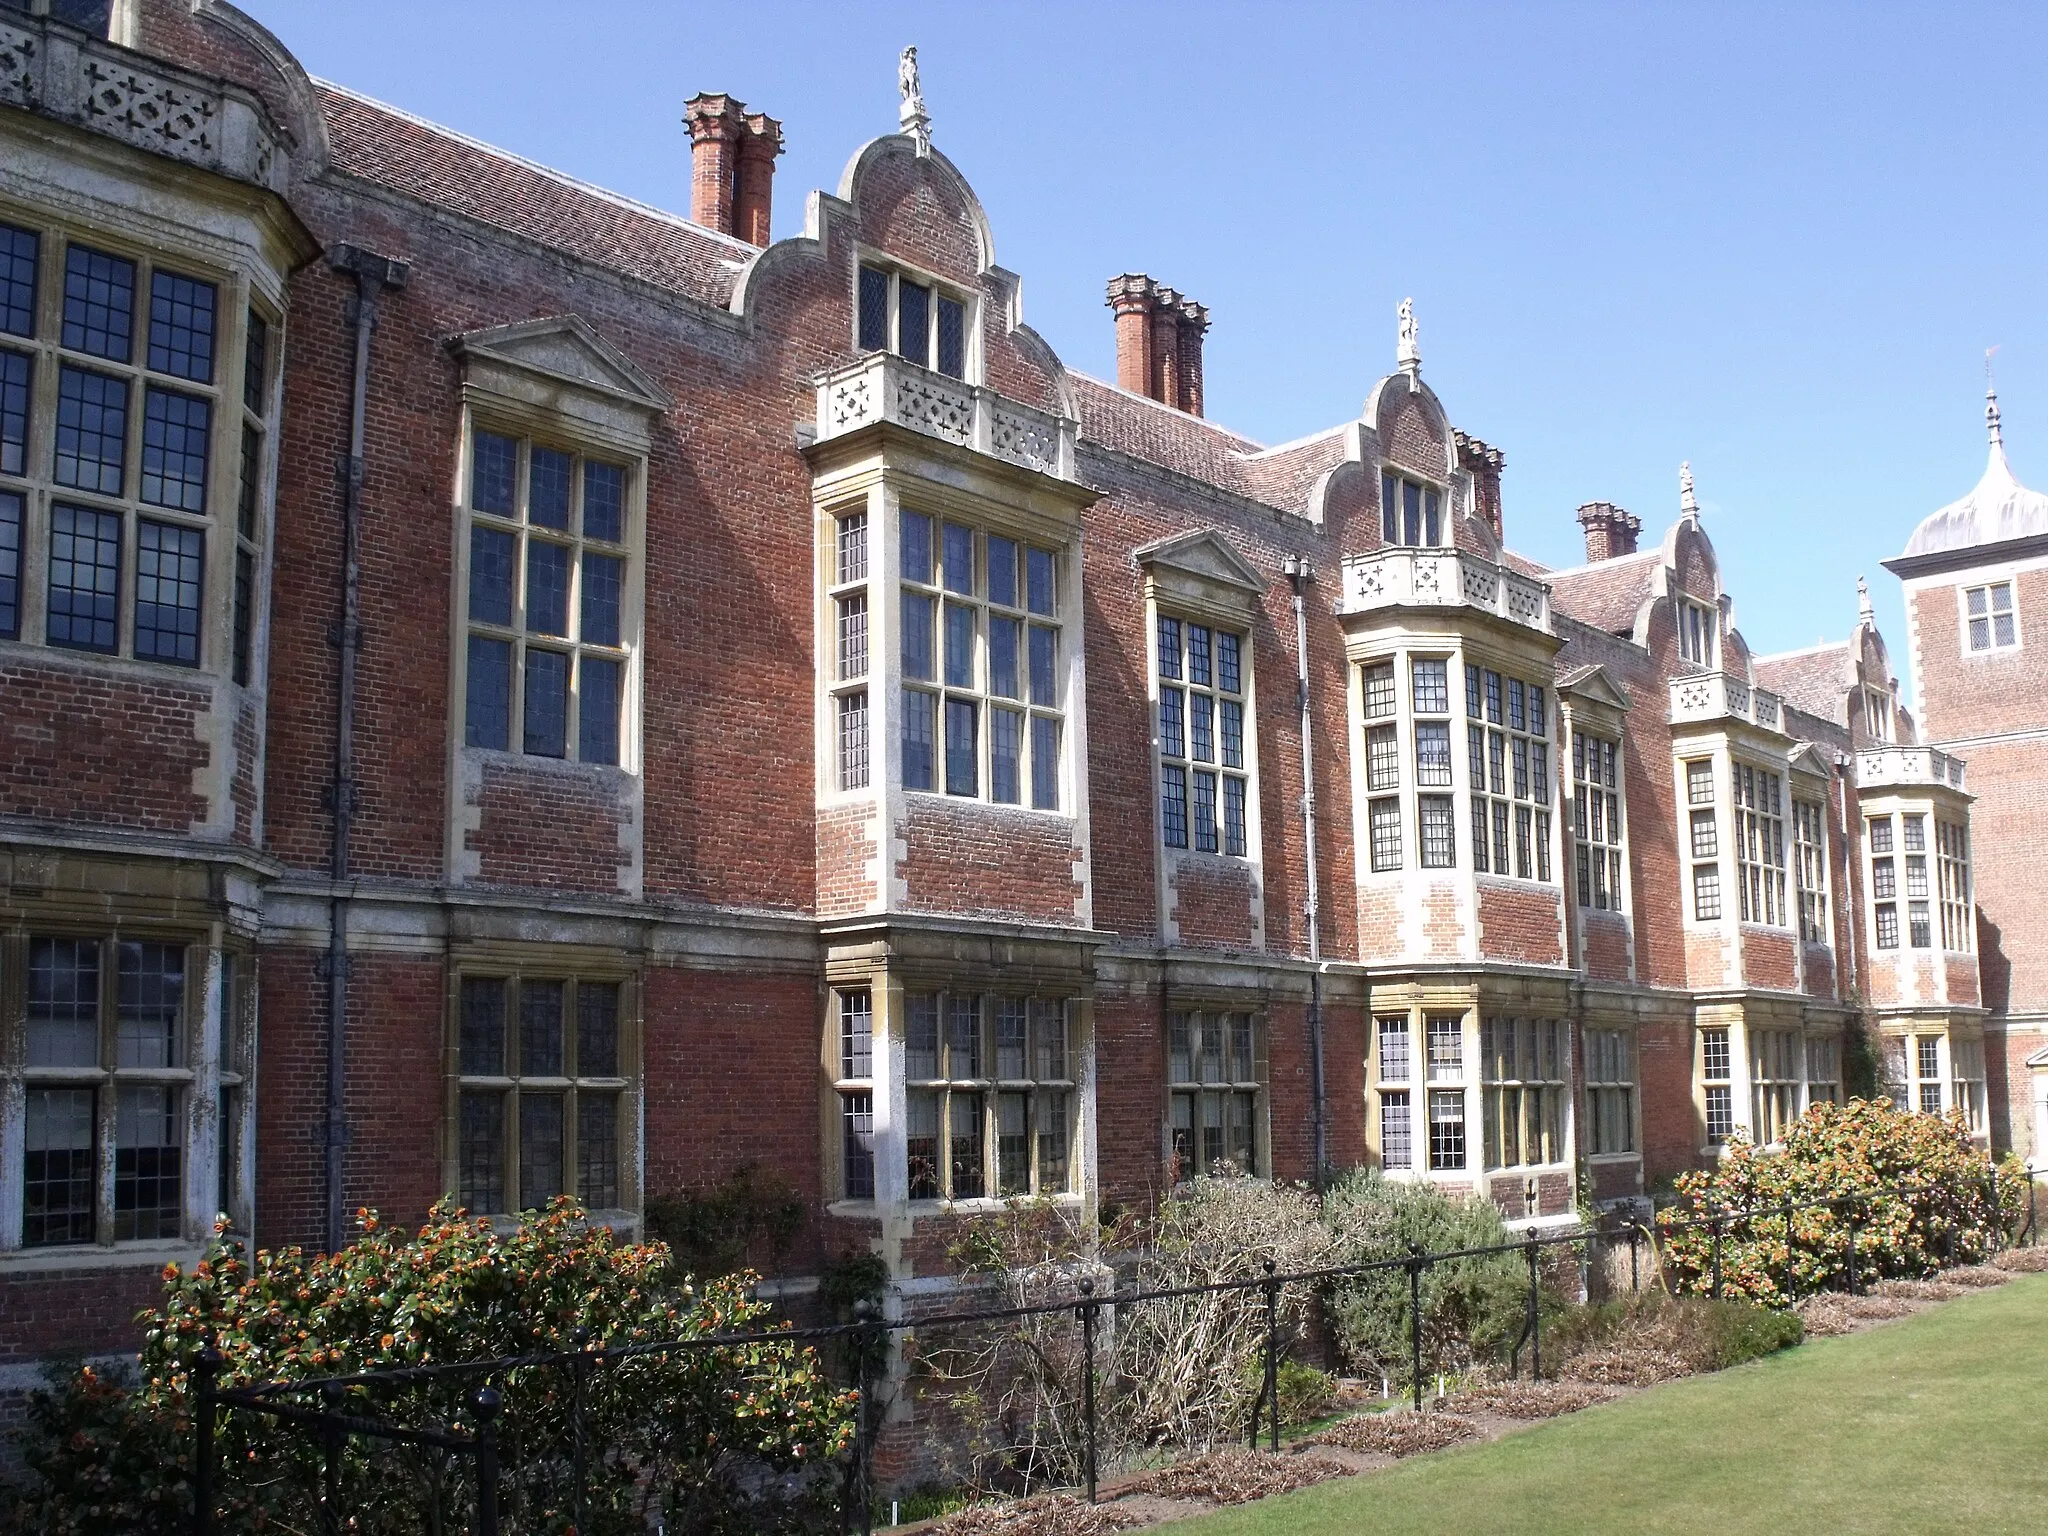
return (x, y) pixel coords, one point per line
(560, 367)
(1811, 759)
(1202, 573)
(1594, 684)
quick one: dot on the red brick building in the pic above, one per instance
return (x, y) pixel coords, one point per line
(508, 691)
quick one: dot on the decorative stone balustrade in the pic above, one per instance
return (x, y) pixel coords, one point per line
(883, 387)
(1443, 578)
(1717, 696)
(60, 72)
(1904, 767)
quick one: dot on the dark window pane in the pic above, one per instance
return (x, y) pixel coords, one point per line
(149, 1163)
(857, 1154)
(1042, 593)
(920, 731)
(174, 438)
(597, 1150)
(917, 547)
(151, 1005)
(962, 748)
(1002, 570)
(92, 431)
(94, 16)
(18, 251)
(913, 321)
(63, 1002)
(874, 310)
(959, 646)
(16, 371)
(168, 564)
(540, 1028)
(181, 326)
(85, 578)
(60, 1168)
(547, 588)
(603, 580)
(540, 1149)
(497, 462)
(1045, 763)
(956, 557)
(547, 500)
(1173, 806)
(483, 1026)
(1205, 812)
(12, 513)
(99, 303)
(1233, 817)
(1013, 1144)
(250, 485)
(965, 1146)
(490, 576)
(919, 614)
(604, 502)
(597, 712)
(1044, 655)
(853, 740)
(546, 704)
(488, 720)
(597, 1029)
(1006, 751)
(481, 1155)
(1229, 671)
(245, 608)
(1004, 637)
(256, 365)
(953, 338)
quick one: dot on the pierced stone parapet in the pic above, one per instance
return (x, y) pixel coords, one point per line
(884, 388)
(1443, 578)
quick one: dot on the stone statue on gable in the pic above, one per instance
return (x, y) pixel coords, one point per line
(912, 115)
(1408, 355)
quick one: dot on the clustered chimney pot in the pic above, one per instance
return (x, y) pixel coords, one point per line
(732, 165)
(1158, 341)
(1610, 531)
(1484, 463)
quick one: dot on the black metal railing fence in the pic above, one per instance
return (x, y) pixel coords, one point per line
(462, 1466)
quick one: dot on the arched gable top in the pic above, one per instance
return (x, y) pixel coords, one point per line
(294, 93)
(1405, 427)
(874, 162)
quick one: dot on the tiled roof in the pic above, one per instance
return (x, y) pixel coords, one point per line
(1514, 560)
(449, 170)
(1159, 434)
(1814, 680)
(1607, 595)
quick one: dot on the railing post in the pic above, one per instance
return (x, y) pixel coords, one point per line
(1635, 1273)
(1715, 1289)
(1535, 1317)
(487, 1405)
(1415, 1319)
(1272, 1289)
(859, 1514)
(330, 1459)
(579, 1389)
(2033, 1230)
(1086, 1312)
(205, 1371)
(1791, 1268)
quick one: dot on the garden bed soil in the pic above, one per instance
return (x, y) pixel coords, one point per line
(1528, 1399)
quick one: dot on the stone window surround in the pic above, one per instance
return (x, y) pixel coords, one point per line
(201, 1077)
(1983, 581)
(1725, 754)
(551, 962)
(898, 270)
(1740, 1080)
(236, 297)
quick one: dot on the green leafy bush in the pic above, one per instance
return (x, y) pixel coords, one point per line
(718, 1439)
(1472, 1309)
(1702, 1335)
(1832, 1154)
(1306, 1394)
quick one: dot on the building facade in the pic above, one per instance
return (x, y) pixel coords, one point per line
(508, 692)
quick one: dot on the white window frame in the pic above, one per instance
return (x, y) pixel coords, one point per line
(979, 691)
(1966, 1074)
(1599, 827)
(1992, 647)
(1182, 684)
(1716, 1075)
(1433, 504)
(518, 525)
(1198, 1090)
(1511, 772)
(1524, 1062)
(983, 1083)
(1760, 873)
(1699, 632)
(1700, 839)
(1777, 1082)
(1952, 863)
(898, 273)
(1810, 861)
(851, 640)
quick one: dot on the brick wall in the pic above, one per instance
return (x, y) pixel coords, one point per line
(1212, 904)
(1770, 959)
(59, 1312)
(987, 861)
(88, 744)
(1519, 925)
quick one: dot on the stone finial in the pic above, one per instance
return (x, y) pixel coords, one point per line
(1991, 421)
(911, 115)
(1407, 355)
(1688, 503)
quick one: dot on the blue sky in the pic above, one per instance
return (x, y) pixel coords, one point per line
(1773, 240)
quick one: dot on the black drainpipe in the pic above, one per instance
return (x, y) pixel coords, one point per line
(1301, 573)
(372, 274)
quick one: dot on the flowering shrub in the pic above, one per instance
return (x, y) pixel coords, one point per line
(1830, 1154)
(704, 1435)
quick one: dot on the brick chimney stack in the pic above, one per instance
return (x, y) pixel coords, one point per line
(1610, 531)
(1158, 341)
(1483, 462)
(732, 165)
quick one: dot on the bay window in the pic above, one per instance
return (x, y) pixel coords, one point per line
(1952, 850)
(1705, 840)
(1776, 1060)
(991, 1096)
(981, 658)
(1522, 1091)
(1717, 1080)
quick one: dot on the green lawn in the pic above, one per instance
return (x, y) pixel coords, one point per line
(1936, 1423)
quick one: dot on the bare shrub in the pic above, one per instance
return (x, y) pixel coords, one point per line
(1976, 1276)
(1234, 1475)
(1046, 1514)
(2022, 1261)
(1528, 1399)
(1399, 1433)
(1626, 1365)
(1919, 1290)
